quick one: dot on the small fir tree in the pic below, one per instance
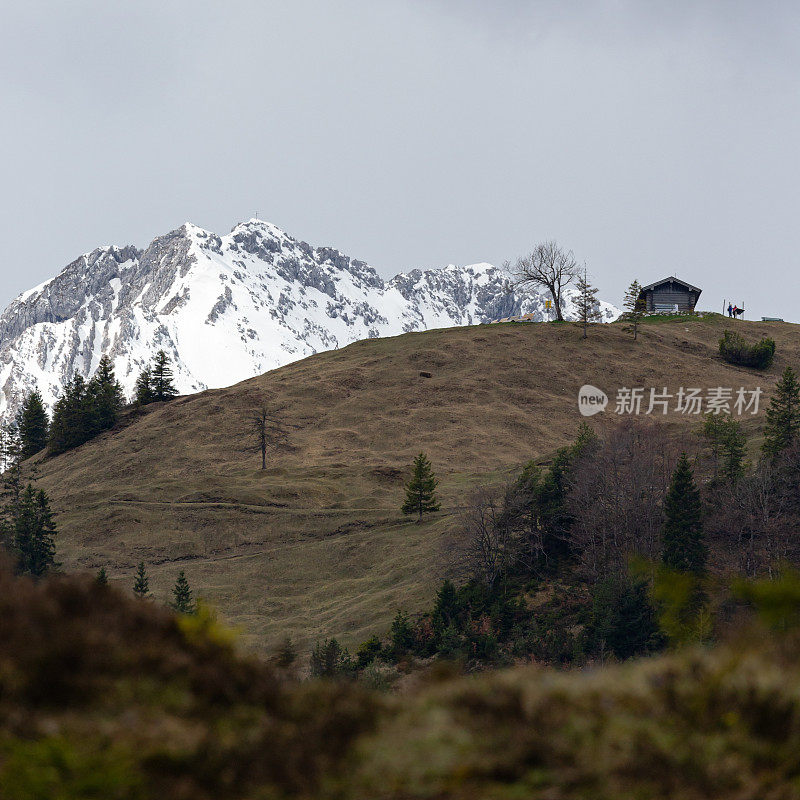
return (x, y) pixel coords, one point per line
(34, 532)
(447, 608)
(635, 308)
(182, 595)
(588, 306)
(106, 398)
(782, 428)
(143, 390)
(402, 634)
(32, 425)
(101, 578)
(141, 584)
(329, 660)
(421, 489)
(287, 653)
(727, 443)
(684, 549)
(161, 378)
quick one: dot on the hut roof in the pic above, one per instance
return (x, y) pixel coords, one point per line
(674, 280)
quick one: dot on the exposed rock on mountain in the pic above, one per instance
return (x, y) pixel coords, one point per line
(226, 308)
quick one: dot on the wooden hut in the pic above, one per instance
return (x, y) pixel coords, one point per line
(669, 295)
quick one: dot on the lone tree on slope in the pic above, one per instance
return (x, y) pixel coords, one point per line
(588, 308)
(782, 428)
(141, 584)
(182, 595)
(634, 308)
(32, 425)
(267, 429)
(684, 549)
(548, 267)
(161, 377)
(421, 489)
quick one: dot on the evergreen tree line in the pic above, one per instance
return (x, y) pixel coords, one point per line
(86, 408)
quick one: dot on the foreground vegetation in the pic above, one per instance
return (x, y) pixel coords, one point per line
(106, 696)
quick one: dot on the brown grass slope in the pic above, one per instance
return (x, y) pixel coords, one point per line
(315, 545)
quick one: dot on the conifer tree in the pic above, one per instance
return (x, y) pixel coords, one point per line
(72, 423)
(623, 619)
(588, 308)
(143, 390)
(287, 654)
(402, 634)
(9, 445)
(634, 308)
(101, 578)
(446, 609)
(12, 466)
(329, 660)
(782, 428)
(182, 595)
(141, 584)
(106, 398)
(727, 443)
(34, 533)
(421, 489)
(161, 377)
(32, 424)
(684, 548)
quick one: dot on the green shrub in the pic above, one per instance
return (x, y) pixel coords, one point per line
(58, 769)
(368, 652)
(735, 350)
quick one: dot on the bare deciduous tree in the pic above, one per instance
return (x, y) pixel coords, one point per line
(267, 430)
(486, 546)
(548, 267)
(616, 497)
(755, 513)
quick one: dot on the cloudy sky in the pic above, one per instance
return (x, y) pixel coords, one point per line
(650, 138)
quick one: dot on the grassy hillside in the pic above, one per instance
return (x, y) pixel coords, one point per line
(315, 545)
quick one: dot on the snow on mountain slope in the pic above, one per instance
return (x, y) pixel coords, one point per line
(226, 308)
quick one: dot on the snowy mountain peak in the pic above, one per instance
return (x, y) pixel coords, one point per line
(228, 307)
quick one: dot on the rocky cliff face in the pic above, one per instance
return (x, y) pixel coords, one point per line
(226, 308)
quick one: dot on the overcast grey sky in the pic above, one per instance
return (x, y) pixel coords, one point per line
(651, 138)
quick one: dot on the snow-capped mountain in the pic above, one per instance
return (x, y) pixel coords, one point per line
(226, 308)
